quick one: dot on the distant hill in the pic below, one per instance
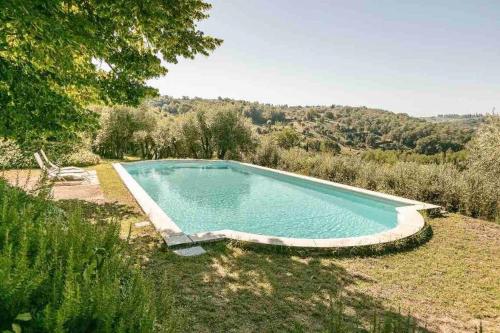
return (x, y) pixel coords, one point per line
(471, 120)
(354, 127)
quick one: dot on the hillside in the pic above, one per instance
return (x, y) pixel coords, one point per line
(353, 127)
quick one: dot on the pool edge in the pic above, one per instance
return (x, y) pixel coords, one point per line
(409, 220)
(167, 228)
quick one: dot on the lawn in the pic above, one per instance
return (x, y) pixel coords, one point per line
(447, 284)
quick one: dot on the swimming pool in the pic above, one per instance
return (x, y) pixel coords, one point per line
(201, 200)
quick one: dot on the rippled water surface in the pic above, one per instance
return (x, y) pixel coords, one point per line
(210, 196)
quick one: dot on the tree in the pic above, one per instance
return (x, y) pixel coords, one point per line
(117, 129)
(57, 56)
(231, 132)
(189, 131)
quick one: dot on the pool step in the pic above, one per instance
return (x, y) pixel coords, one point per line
(190, 251)
(182, 240)
(174, 240)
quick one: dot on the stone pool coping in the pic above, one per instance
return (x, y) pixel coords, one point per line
(410, 221)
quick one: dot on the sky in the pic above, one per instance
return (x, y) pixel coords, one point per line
(418, 57)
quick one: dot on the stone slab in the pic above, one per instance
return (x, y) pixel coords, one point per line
(176, 240)
(190, 251)
(141, 224)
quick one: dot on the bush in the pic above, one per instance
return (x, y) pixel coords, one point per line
(267, 153)
(20, 156)
(66, 273)
(10, 154)
(471, 191)
(287, 137)
(81, 157)
(485, 148)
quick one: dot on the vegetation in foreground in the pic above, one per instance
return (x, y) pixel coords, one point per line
(61, 272)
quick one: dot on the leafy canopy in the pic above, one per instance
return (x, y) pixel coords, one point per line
(57, 56)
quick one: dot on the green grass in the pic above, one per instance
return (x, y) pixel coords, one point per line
(449, 283)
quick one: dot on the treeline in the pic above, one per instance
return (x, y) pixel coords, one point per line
(205, 133)
(354, 127)
(459, 158)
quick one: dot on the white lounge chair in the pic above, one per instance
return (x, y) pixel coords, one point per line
(56, 174)
(56, 167)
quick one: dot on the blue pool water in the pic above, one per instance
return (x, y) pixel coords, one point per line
(211, 196)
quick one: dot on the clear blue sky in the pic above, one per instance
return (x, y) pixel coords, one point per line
(418, 57)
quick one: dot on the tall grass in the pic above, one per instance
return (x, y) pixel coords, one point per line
(61, 272)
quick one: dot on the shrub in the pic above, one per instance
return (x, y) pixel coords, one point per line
(20, 156)
(311, 114)
(67, 273)
(10, 154)
(255, 113)
(267, 153)
(470, 192)
(485, 148)
(287, 138)
(81, 157)
(275, 116)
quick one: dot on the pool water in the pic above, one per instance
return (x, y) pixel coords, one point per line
(202, 196)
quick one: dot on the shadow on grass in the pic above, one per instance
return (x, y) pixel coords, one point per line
(99, 211)
(237, 288)
(233, 289)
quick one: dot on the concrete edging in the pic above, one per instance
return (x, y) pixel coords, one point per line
(409, 220)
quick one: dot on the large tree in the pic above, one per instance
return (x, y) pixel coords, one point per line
(57, 56)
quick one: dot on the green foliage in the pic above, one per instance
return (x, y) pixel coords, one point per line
(75, 152)
(231, 133)
(456, 189)
(267, 153)
(458, 158)
(117, 127)
(81, 156)
(200, 133)
(354, 127)
(311, 114)
(10, 154)
(57, 56)
(60, 272)
(287, 138)
(255, 113)
(485, 148)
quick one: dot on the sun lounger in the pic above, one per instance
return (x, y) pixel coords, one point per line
(58, 174)
(56, 167)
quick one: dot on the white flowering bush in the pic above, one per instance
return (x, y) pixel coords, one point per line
(10, 154)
